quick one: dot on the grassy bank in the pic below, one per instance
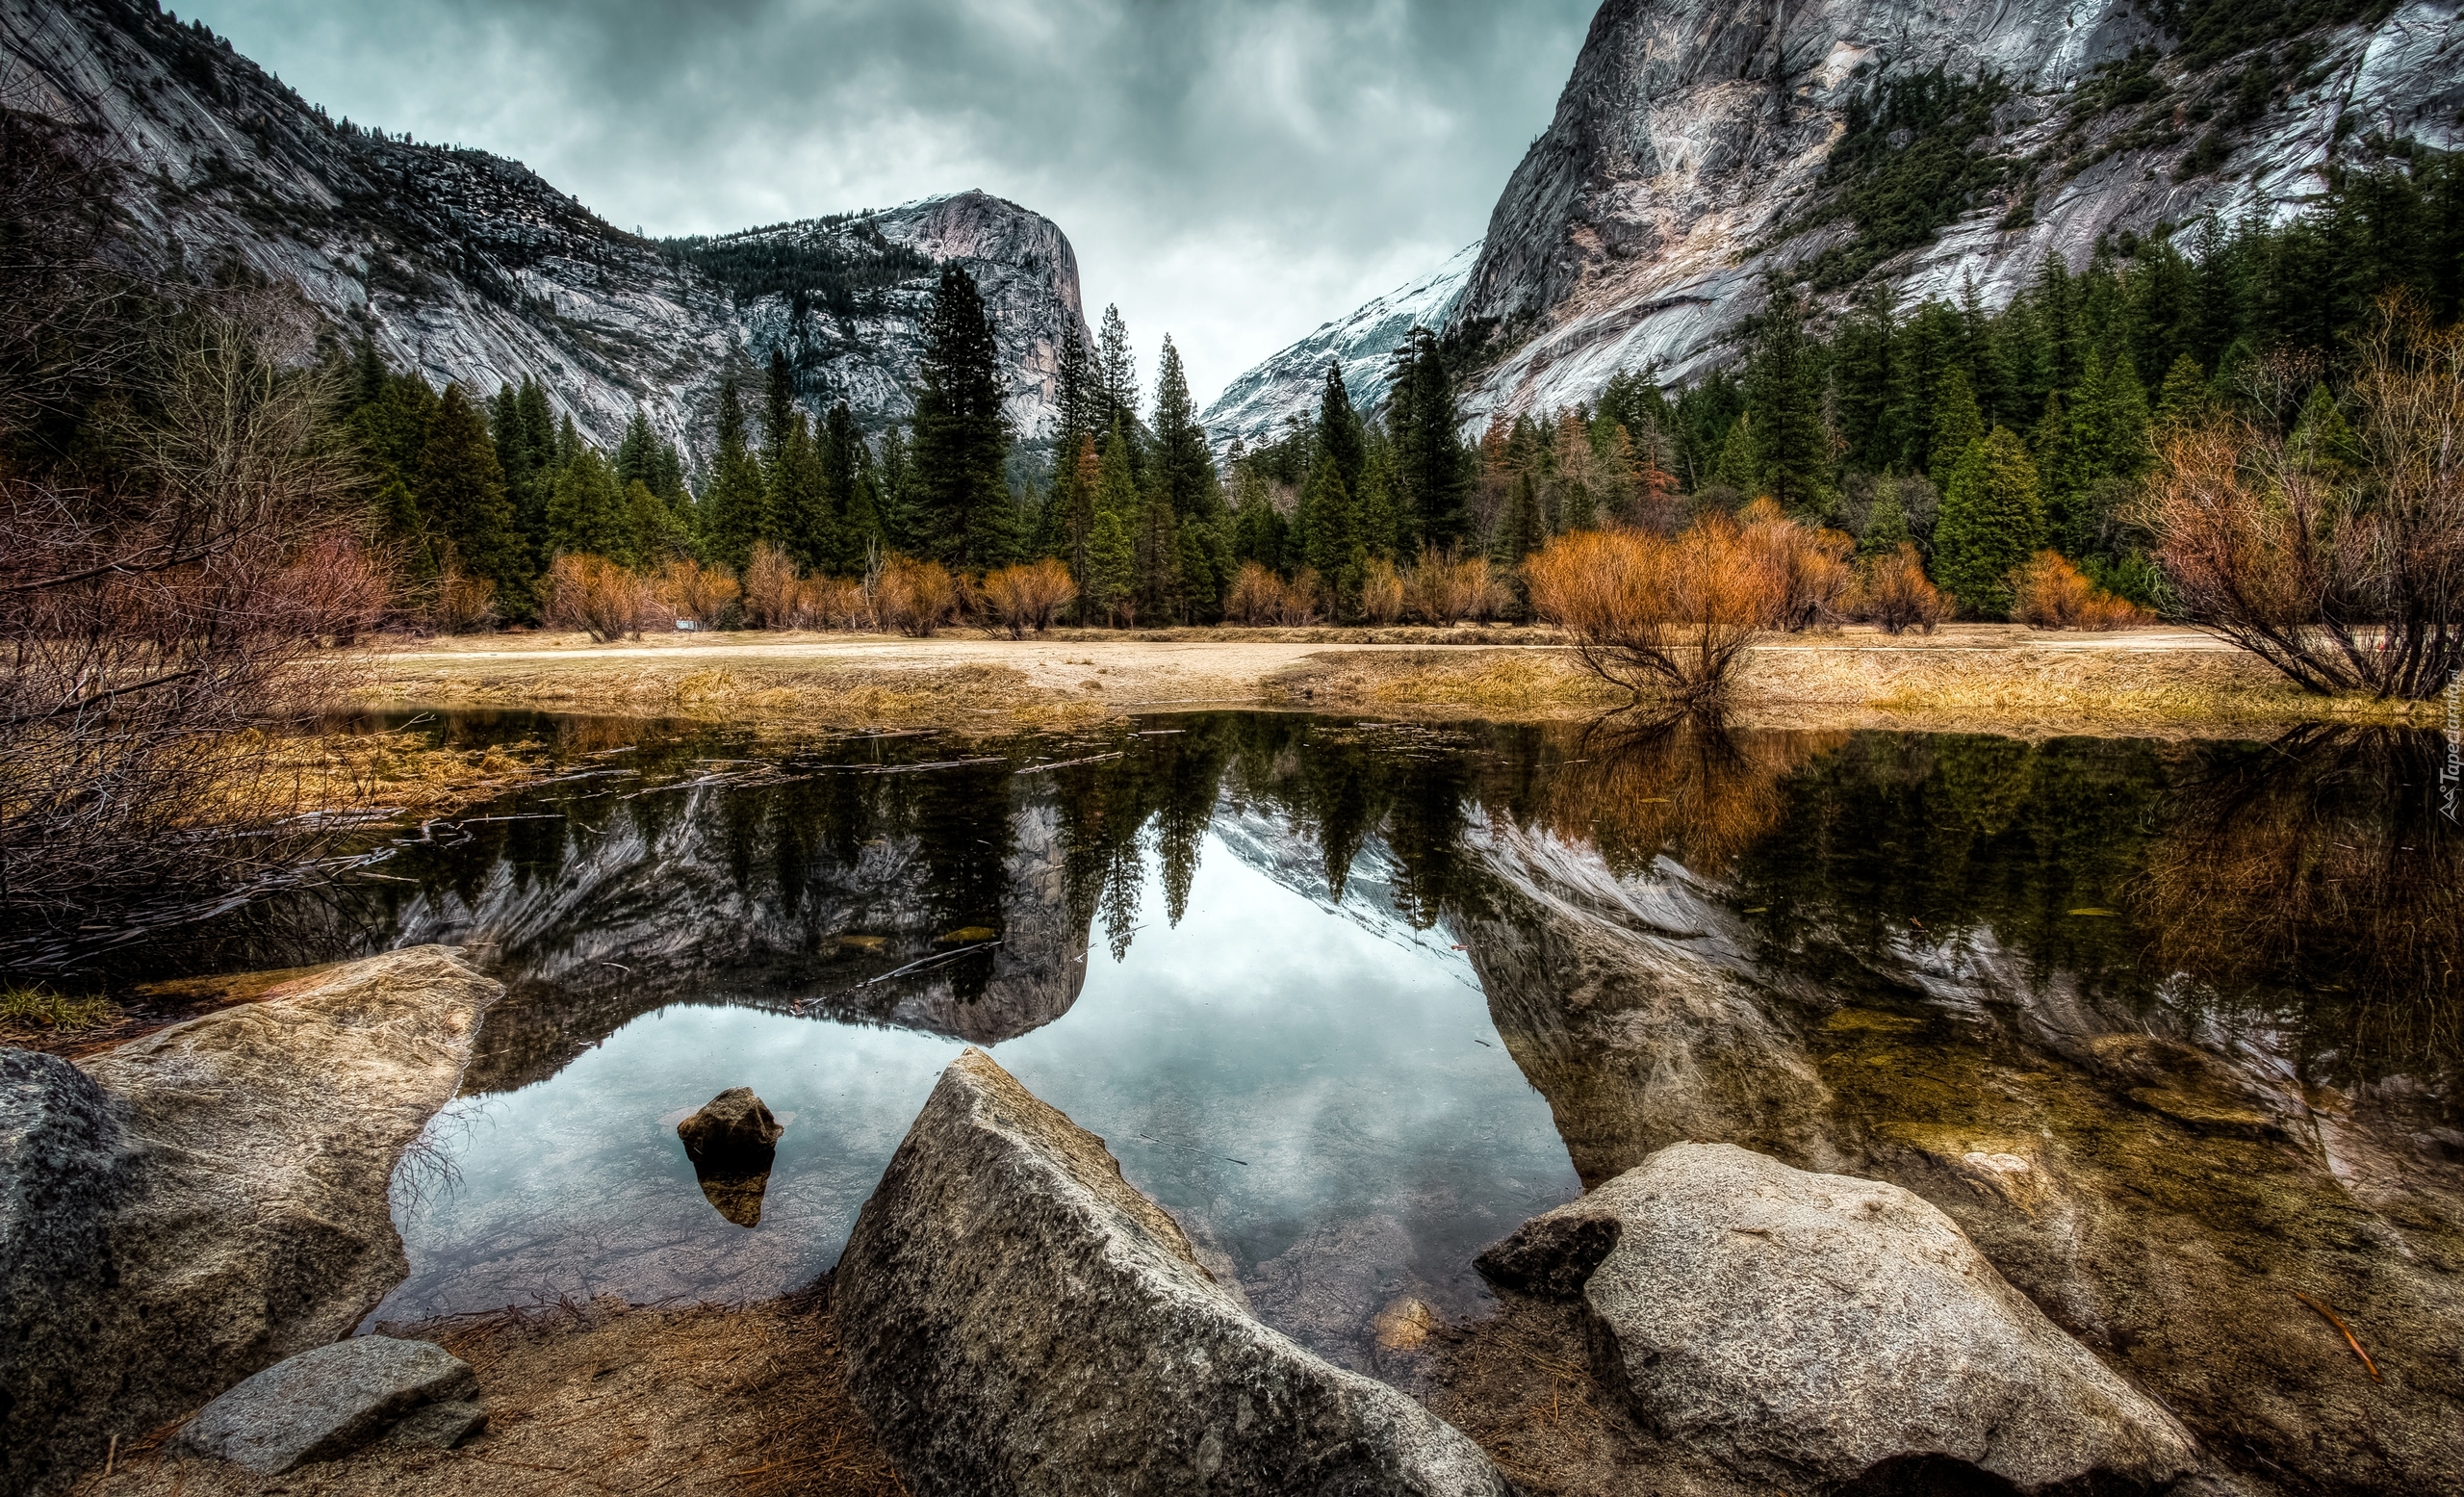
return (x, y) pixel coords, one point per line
(1980, 677)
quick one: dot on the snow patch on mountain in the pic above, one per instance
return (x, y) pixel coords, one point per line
(1255, 405)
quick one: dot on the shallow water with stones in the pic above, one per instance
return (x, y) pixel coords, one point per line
(1353, 999)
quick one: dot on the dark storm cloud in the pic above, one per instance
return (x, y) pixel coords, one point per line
(1233, 174)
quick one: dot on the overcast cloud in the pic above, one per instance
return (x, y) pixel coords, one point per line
(1233, 174)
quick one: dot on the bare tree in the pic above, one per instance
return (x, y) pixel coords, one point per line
(2342, 584)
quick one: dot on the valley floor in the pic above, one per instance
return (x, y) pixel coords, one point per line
(2002, 678)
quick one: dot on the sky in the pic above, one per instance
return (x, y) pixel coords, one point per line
(1231, 172)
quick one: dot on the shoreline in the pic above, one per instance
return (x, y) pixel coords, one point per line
(2155, 681)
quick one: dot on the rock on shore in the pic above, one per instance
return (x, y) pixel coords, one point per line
(1801, 1327)
(1018, 1319)
(208, 1200)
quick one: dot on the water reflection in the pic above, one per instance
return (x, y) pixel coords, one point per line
(2167, 1026)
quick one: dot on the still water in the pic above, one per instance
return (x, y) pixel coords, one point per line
(2172, 1030)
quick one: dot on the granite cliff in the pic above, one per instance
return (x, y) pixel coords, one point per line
(469, 267)
(1691, 159)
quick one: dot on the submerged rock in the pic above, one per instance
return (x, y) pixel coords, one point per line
(211, 1199)
(732, 1142)
(1018, 1319)
(1820, 1327)
(331, 1401)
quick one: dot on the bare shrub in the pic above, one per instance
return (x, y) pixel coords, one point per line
(1665, 617)
(1446, 588)
(769, 588)
(1806, 570)
(1895, 593)
(835, 603)
(1304, 598)
(1256, 597)
(917, 597)
(2050, 593)
(155, 625)
(461, 602)
(596, 595)
(1030, 596)
(1381, 592)
(2341, 585)
(690, 590)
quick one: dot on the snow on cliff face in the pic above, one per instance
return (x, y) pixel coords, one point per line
(468, 266)
(1688, 144)
(1253, 407)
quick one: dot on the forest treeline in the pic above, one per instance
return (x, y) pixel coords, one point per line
(1959, 449)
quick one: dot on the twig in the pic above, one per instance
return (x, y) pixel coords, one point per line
(2351, 1339)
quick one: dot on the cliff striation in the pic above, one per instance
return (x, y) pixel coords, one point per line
(468, 266)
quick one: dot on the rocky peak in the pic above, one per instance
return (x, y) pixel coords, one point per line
(1686, 161)
(469, 267)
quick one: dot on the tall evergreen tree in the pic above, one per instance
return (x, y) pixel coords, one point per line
(1180, 442)
(1115, 377)
(734, 507)
(586, 510)
(1784, 388)
(777, 402)
(1339, 436)
(798, 496)
(961, 438)
(1957, 424)
(461, 491)
(1112, 544)
(1432, 468)
(1074, 396)
(1990, 523)
(852, 522)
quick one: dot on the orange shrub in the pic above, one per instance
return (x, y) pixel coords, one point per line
(1304, 598)
(1444, 588)
(1381, 592)
(1806, 570)
(1669, 616)
(596, 595)
(2048, 592)
(917, 597)
(462, 602)
(690, 590)
(769, 589)
(833, 603)
(1029, 597)
(1895, 593)
(1257, 596)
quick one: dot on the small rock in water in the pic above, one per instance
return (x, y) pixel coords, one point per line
(1819, 1329)
(1405, 1325)
(329, 1401)
(732, 1142)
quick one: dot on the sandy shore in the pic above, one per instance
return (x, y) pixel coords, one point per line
(1983, 676)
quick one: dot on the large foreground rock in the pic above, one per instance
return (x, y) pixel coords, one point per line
(211, 1199)
(335, 1399)
(1817, 1328)
(1018, 1319)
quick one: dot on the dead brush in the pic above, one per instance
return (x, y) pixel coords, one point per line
(917, 598)
(1665, 618)
(1894, 592)
(689, 590)
(595, 595)
(1029, 597)
(2048, 592)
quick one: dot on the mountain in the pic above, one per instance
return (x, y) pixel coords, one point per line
(1253, 407)
(1699, 148)
(468, 266)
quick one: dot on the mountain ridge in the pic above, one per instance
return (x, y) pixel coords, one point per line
(469, 267)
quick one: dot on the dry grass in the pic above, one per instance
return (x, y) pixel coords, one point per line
(1520, 1384)
(604, 1398)
(1982, 677)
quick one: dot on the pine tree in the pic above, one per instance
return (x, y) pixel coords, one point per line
(2324, 441)
(798, 496)
(1381, 519)
(962, 437)
(1431, 464)
(1257, 529)
(1180, 443)
(461, 493)
(2183, 395)
(1112, 546)
(1990, 523)
(1955, 424)
(1329, 532)
(905, 515)
(842, 452)
(637, 454)
(1074, 488)
(1159, 548)
(653, 532)
(1339, 437)
(735, 510)
(1073, 394)
(586, 510)
(1114, 395)
(1886, 522)
(1783, 389)
(777, 404)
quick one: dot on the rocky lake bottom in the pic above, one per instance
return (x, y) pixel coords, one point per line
(2170, 1029)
